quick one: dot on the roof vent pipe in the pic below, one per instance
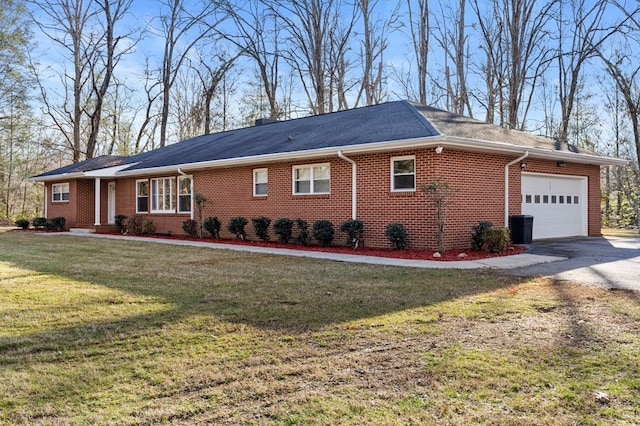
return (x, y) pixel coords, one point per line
(506, 186)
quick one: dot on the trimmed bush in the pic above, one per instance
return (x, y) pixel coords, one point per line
(283, 228)
(39, 222)
(303, 237)
(120, 223)
(149, 227)
(496, 239)
(134, 224)
(355, 231)
(56, 223)
(236, 227)
(261, 227)
(190, 226)
(323, 232)
(477, 238)
(397, 235)
(212, 226)
(22, 223)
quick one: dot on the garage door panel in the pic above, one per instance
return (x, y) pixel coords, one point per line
(558, 205)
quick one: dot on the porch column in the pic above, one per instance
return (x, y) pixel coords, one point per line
(97, 201)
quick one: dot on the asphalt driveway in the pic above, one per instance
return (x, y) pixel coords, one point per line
(612, 262)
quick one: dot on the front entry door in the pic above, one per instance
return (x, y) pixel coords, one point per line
(111, 203)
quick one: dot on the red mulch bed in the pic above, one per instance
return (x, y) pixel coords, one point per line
(447, 256)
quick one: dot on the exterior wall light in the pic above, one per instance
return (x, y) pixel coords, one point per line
(523, 166)
(439, 149)
(561, 164)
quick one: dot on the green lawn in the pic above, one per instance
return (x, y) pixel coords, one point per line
(120, 332)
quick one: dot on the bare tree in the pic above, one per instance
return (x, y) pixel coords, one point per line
(420, 29)
(182, 27)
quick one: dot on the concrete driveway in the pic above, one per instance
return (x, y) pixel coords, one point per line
(612, 262)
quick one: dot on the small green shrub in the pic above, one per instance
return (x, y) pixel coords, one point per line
(56, 223)
(236, 227)
(149, 227)
(496, 239)
(22, 223)
(212, 226)
(135, 225)
(261, 227)
(355, 231)
(323, 232)
(303, 237)
(477, 238)
(39, 222)
(397, 235)
(190, 226)
(120, 223)
(283, 228)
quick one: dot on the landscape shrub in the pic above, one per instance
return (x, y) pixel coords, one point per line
(22, 223)
(477, 238)
(261, 227)
(355, 231)
(236, 227)
(56, 223)
(283, 228)
(120, 223)
(496, 239)
(323, 232)
(303, 237)
(212, 226)
(190, 226)
(397, 235)
(149, 227)
(39, 222)
(134, 224)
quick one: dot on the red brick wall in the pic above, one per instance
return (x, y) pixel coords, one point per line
(477, 177)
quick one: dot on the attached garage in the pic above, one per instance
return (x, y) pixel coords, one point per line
(557, 203)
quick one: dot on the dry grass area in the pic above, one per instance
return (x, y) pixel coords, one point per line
(116, 332)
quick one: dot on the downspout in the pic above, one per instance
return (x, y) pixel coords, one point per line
(354, 189)
(506, 186)
(191, 185)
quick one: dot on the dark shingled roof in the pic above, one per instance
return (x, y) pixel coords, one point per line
(97, 163)
(391, 121)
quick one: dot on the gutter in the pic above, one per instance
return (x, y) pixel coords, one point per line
(506, 186)
(192, 193)
(354, 189)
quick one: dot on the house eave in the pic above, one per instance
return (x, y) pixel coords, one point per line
(105, 173)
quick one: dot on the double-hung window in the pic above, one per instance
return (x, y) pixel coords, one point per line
(312, 179)
(184, 194)
(162, 195)
(260, 182)
(142, 196)
(59, 192)
(403, 173)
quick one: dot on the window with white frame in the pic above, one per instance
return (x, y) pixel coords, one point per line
(260, 181)
(59, 192)
(142, 196)
(403, 173)
(312, 179)
(162, 195)
(184, 194)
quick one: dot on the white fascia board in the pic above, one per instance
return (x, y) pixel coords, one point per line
(107, 172)
(386, 146)
(54, 178)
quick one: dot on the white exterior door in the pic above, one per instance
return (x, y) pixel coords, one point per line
(111, 203)
(557, 203)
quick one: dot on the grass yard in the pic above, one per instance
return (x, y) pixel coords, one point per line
(119, 332)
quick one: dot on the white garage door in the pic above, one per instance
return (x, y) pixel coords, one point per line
(557, 203)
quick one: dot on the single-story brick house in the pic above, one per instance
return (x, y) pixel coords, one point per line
(367, 163)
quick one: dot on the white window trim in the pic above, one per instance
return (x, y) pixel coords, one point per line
(172, 197)
(255, 182)
(178, 194)
(53, 192)
(148, 195)
(312, 184)
(392, 182)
